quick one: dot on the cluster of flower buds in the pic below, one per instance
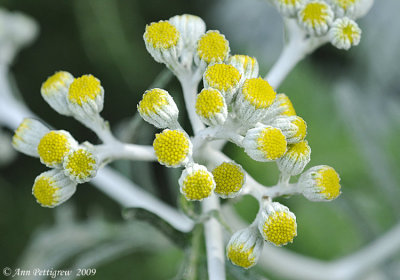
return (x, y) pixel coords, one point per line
(237, 105)
(183, 44)
(335, 19)
(71, 163)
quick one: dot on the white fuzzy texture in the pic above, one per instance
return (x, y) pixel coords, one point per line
(76, 178)
(166, 116)
(72, 144)
(189, 170)
(57, 96)
(246, 112)
(338, 39)
(285, 124)
(66, 187)
(288, 9)
(293, 163)
(26, 139)
(168, 56)
(246, 69)
(250, 238)
(275, 109)
(228, 94)
(191, 28)
(320, 28)
(270, 209)
(250, 143)
(307, 182)
(89, 109)
(288, 128)
(218, 118)
(357, 9)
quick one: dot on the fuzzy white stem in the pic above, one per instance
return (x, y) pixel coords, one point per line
(214, 241)
(252, 187)
(110, 182)
(290, 265)
(125, 151)
(10, 108)
(128, 194)
(189, 87)
(297, 47)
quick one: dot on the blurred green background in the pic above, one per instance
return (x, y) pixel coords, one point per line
(355, 132)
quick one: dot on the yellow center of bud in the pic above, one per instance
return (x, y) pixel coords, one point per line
(315, 13)
(83, 89)
(299, 149)
(161, 35)
(301, 128)
(53, 147)
(258, 92)
(198, 185)
(240, 257)
(171, 147)
(45, 190)
(80, 163)
(328, 181)
(213, 47)
(229, 178)
(280, 228)
(222, 77)
(209, 102)
(272, 143)
(59, 79)
(349, 32)
(152, 101)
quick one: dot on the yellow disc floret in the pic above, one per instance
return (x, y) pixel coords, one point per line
(161, 35)
(53, 147)
(241, 257)
(316, 16)
(345, 33)
(152, 101)
(298, 149)
(83, 89)
(45, 190)
(198, 185)
(314, 13)
(258, 92)
(209, 102)
(280, 228)
(301, 128)
(272, 143)
(329, 182)
(80, 165)
(222, 77)
(349, 32)
(59, 79)
(229, 179)
(171, 147)
(213, 47)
